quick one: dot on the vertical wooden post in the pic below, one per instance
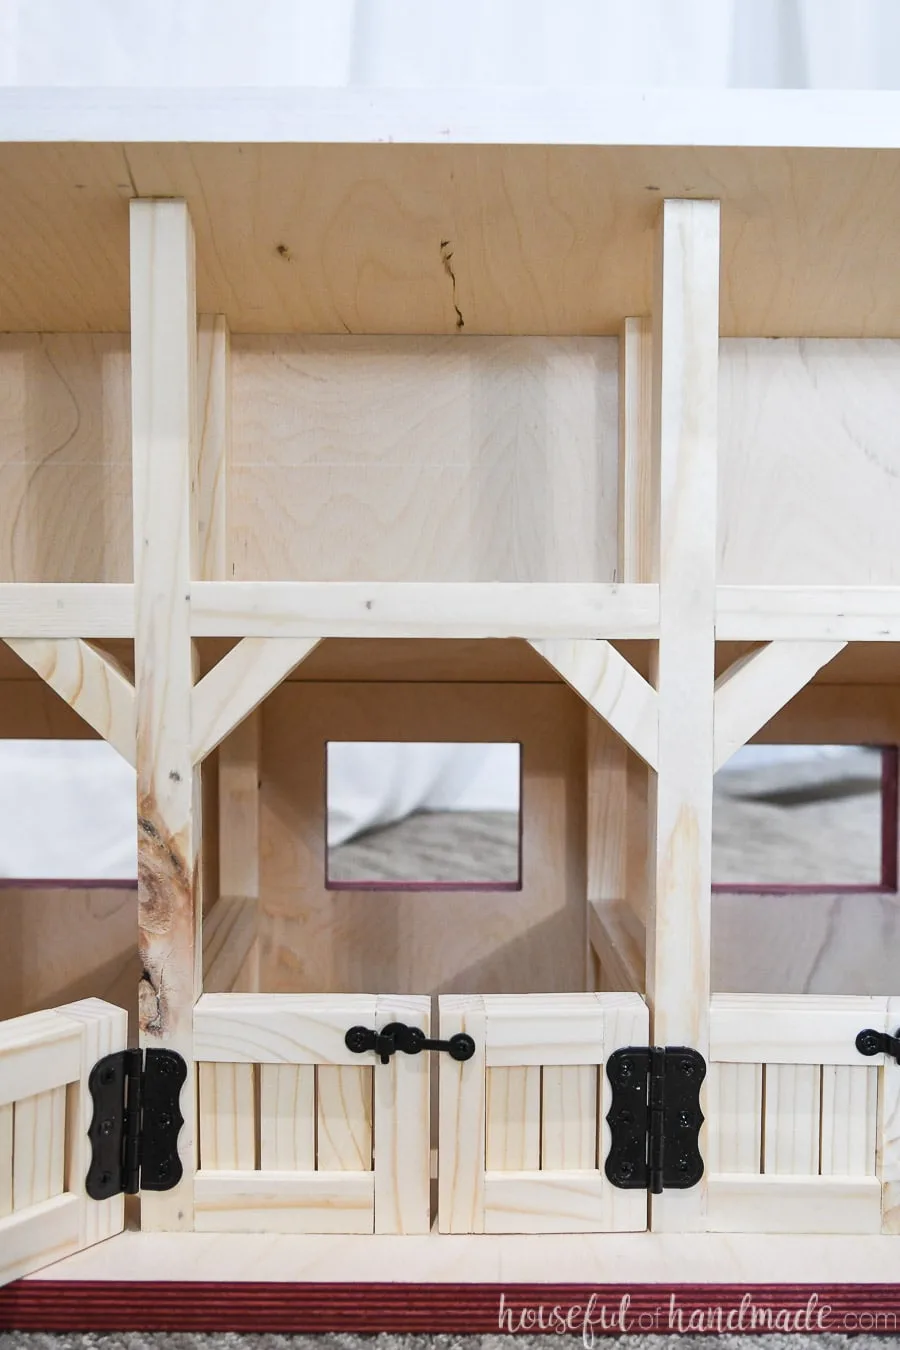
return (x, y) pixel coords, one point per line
(685, 412)
(163, 363)
(238, 832)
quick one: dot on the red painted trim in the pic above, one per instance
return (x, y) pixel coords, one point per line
(45, 1305)
(392, 886)
(67, 884)
(890, 805)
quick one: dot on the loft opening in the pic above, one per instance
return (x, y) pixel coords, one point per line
(423, 815)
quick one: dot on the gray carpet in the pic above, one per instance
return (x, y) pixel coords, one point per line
(792, 823)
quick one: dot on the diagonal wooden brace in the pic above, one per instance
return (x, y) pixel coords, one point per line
(612, 687)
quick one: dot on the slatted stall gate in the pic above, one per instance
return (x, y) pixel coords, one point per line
(800, 1124)
(523, 1136)
(299, 1134)
(45, 1112)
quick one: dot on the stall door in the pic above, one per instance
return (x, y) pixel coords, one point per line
(298, 1132)
(45, 1112)
(802, 1128)
(522, 1134)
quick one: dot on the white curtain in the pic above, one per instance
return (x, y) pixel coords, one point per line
(798, 44)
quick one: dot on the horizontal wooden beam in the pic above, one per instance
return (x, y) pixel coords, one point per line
(423, 609)
(841, 613)
(90, 681)
(36, 609)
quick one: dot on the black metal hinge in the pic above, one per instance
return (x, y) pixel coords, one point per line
(135, 1124)
(654, 1118)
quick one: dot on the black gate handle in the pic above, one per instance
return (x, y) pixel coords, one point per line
(411, 1040)
(872, 1042)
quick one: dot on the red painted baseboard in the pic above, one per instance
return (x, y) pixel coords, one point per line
(585, 1311)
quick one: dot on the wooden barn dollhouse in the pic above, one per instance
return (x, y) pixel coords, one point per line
(347, 416)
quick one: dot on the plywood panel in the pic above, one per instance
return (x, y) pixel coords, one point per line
(65, 455)
(422, 237)
(809, 478)
(287, 1114)
(60, 943)
(428, 459)
(422, 942)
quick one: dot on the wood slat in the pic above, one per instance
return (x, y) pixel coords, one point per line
(284, 1202)
(569, 1123)
(542, 1202)
(38, 1052)
(227, 1114)
(6, 1159)
(535, 1029)
(734, 1118)
(791, 1119)
(39, 1236)
(849, 1120)
(513, 1119)
(287, 1118)
(461, 1135)
(402, 1129)
(39, 1148)
(888, 1144)
(279, 1028)
(791, 1029)
(344, 1118)
(776, 1204)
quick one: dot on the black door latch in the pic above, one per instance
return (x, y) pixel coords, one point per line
(411, 1040)
(871, 1042)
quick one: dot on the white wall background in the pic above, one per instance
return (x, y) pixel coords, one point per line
(68, 811)
(798, 44)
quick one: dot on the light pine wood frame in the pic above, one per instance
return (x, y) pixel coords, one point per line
(523, 1133)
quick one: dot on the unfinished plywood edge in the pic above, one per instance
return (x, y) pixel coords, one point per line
(213, 443)
(37, 609)
(612, 687)
(808, 613)
(638, 545)
(92, 683)
(237, 685)
(755, 688)
(423, 609)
